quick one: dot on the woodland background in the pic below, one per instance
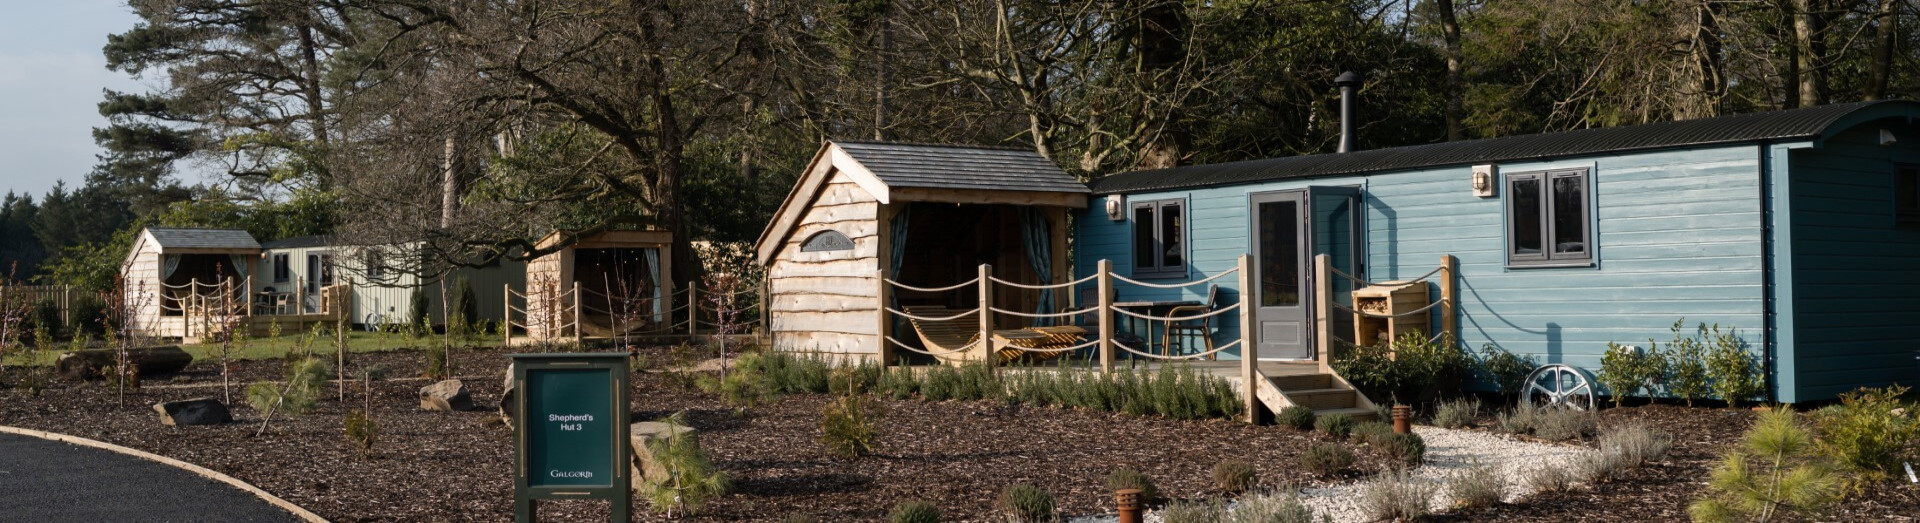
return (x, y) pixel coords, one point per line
(475, 127)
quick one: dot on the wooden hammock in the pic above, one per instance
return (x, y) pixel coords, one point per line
(1011, 344)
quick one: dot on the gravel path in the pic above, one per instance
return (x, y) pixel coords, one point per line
(1450, 451)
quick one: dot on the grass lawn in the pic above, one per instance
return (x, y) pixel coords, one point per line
(260, 348)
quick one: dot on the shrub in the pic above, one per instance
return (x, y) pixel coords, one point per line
(1124, 478)
(1023, 503)
(1234, 476)
(689, 479)
(1687, 365)
(1270, 508)
(1327, 459)
(1371, 432)
(1336, 425)
(1407, 448)
(1635, 445)
(1625, 370)
(847, 427)
(1395, 496)
(914, 511)
(45, 318)
(361, 432)
(1520, 420)
(1202, 511)
(1408, 369)
(1735, 374)
(89, 315)
(1564, 424)
(1599, 467)
(1457, 413)
(464, 307)
(1868, 433)
(1479, 485)
(417, 312)
(1297, 417)
(1550, 479)
(437, 362)
(1506, 370)
(898, 383)
(305, 379)
(1774, 473)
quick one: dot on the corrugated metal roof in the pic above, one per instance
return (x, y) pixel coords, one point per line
(1752, 127)
(186, 238)
(960, 167)
(298, 242)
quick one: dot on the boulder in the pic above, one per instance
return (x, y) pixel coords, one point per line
(197, 411)
(445, 396)
(94, 363)
(642, 433)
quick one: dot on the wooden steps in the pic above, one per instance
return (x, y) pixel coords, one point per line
(1325, 393)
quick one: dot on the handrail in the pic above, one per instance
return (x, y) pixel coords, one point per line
(1229, 308)
(1356, 279)
(1042, 287)
(960, 285)
(1429, 306)
(1175, 285)
(1051, 350)
(1194, 356)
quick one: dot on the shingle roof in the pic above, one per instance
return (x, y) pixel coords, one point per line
(1752, 127)
(960, 167)
(298, 242)
(185, 238)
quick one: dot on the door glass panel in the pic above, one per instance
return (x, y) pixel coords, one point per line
(1279, 254)
(1173, 252)
(1524, 200)
(1569, 215)
(1143, 238)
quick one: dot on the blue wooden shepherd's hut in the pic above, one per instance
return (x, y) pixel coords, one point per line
(1799, 230)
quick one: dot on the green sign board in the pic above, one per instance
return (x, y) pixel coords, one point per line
(570, 430)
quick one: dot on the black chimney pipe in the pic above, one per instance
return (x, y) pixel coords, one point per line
(1348, 81)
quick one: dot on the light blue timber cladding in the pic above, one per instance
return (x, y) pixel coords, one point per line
(1855, 273)
(1678, 235)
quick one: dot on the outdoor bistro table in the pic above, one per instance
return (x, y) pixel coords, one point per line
(1147, 307)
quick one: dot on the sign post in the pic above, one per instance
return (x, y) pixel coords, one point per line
(570, 434)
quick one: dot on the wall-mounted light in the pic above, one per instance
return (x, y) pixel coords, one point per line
(1115, 203)
(1886, 137)
(1483, 181)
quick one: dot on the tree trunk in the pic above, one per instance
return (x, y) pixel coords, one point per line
(1886, 32)
(1158, 35)
(885, 78)
(310, 86)
(450, 184)
(1709, 76)
(1456, 82)
(1808, 51)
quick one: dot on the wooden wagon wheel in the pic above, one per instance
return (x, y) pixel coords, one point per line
(1559, 386)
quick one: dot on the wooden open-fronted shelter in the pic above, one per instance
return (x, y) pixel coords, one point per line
(603, 284)
(173, 277)
(924, 215)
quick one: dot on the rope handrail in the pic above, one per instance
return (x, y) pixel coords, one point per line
(1044, 315)
(1051, 350)
(1194, 356)
(962, 348)
(1215, 312)
(1356, 279)
(1429, 306)
(968, 312)
(975, 280)
(1041, 287)
(1176, 285)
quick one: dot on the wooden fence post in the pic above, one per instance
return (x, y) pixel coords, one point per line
(579, 334)
(506, 314)
(986, 314)
(1104, 304)
(1249, 342)
(1323, 311)
(693, 308)
(766, 317)
(1448, 309)
(885, 327)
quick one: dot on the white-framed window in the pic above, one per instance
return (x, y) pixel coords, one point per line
(1549, 218)
(1159, 238)
(282, 269)
(376, 263)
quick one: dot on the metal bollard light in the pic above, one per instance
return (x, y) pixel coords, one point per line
(1128, 500)
(1402, 419)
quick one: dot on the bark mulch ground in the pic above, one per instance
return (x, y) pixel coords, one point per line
(455, 466)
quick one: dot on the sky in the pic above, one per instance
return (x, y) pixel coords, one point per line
(51, 78)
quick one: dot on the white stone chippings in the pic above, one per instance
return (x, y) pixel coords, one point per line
(1449, 451)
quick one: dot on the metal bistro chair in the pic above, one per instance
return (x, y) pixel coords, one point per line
(1180, 330)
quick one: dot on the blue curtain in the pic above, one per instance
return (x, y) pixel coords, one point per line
(652, 259)
(239, 264)
(1037, 234)
(896, 256)
(168, 264)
